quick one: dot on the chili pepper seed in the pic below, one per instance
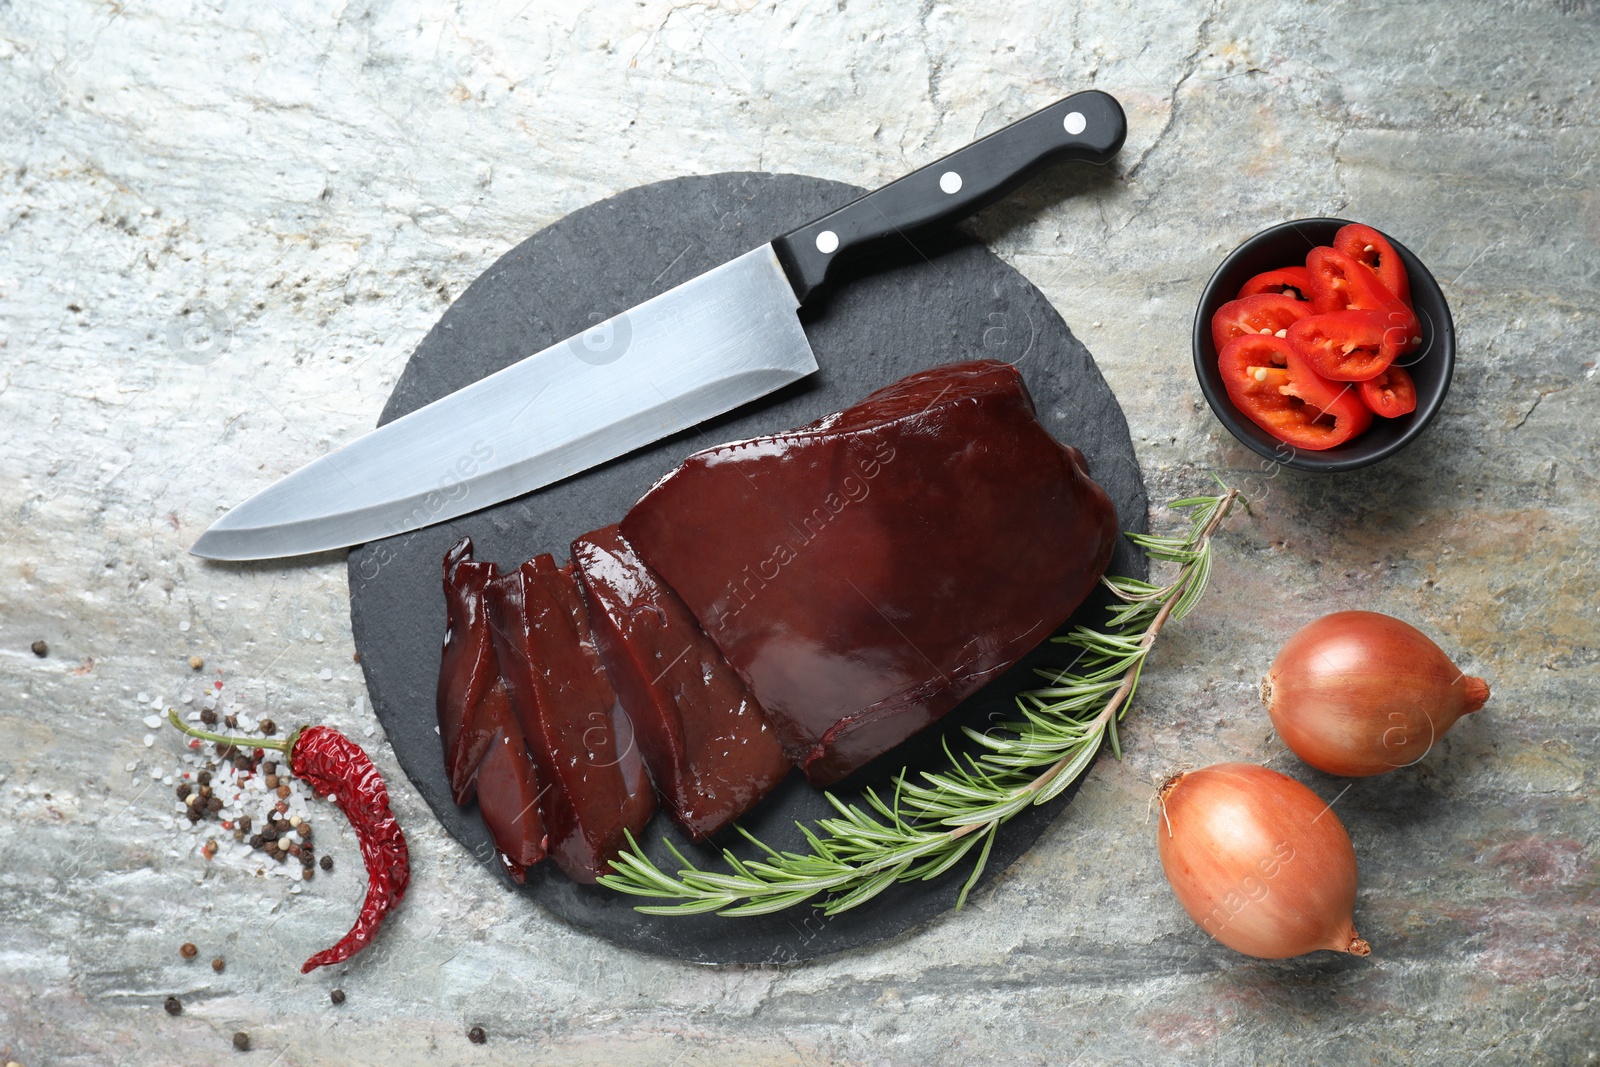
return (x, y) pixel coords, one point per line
(174, 1006)
(195, 663)
(187, 950)
(477, 1036)
(241, 1041)
(218, 964)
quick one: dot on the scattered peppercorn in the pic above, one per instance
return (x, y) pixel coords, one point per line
(218, 964)
(183, 790)
(209, 849)
(269, 767)
(214, 804)
(231, 721)
(283, 791)
(477, 1036)
(327, 863)
(204, 778)
(244, 822)
(208, 716)
(195, 663)
(241, 1041)
(41, 649)
(187, 950)
(272, 781)
(269, 727)
(174, 1006)
(306, 874)
(336, 995)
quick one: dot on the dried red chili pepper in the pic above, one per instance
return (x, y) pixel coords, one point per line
(337, 768)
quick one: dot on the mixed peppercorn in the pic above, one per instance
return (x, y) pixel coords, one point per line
(281, 836)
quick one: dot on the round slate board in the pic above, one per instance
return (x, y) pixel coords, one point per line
(940, 302)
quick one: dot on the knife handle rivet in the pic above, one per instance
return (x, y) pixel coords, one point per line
(950, 181)
(827, 242)
(1074, 123)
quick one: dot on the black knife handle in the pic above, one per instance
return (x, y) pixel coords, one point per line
(1088, 126)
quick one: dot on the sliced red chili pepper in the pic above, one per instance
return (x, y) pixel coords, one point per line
(1347, 346)
(1340, 283)
(1391, 394)
(1272, 385)
(1372, 250)
(1266, 313)
(1288, 281)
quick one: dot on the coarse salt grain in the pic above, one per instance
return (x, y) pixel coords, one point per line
(153, 721)
(184, 626)
(133, 765)
(149, 740)
(326, 674)
(155, 772)
(143, 698)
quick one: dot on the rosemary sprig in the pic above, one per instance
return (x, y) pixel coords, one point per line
(930, 822)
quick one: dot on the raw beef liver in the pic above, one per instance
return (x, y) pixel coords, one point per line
(485, 753)
(580, 738)
(866, 572)
(705, 740)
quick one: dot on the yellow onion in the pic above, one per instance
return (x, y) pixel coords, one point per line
(1359, 693)
(1259, 862)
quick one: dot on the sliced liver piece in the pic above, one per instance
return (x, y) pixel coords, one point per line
(485, 753)
(579, 736)
(706, 741)
(866, 572)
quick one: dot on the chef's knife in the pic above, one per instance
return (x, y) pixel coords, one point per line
(702, 348)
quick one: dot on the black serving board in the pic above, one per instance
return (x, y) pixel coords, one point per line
(940, 302)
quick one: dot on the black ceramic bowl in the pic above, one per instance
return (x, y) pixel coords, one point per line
(1430, 365)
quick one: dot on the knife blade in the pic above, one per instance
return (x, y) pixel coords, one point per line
(711, 344)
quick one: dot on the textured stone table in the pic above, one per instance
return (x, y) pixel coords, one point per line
(223, 226)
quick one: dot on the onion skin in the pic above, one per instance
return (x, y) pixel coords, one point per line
(1259, 862)
(1358, 693)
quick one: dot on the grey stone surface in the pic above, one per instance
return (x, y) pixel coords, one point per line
(312, 182)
